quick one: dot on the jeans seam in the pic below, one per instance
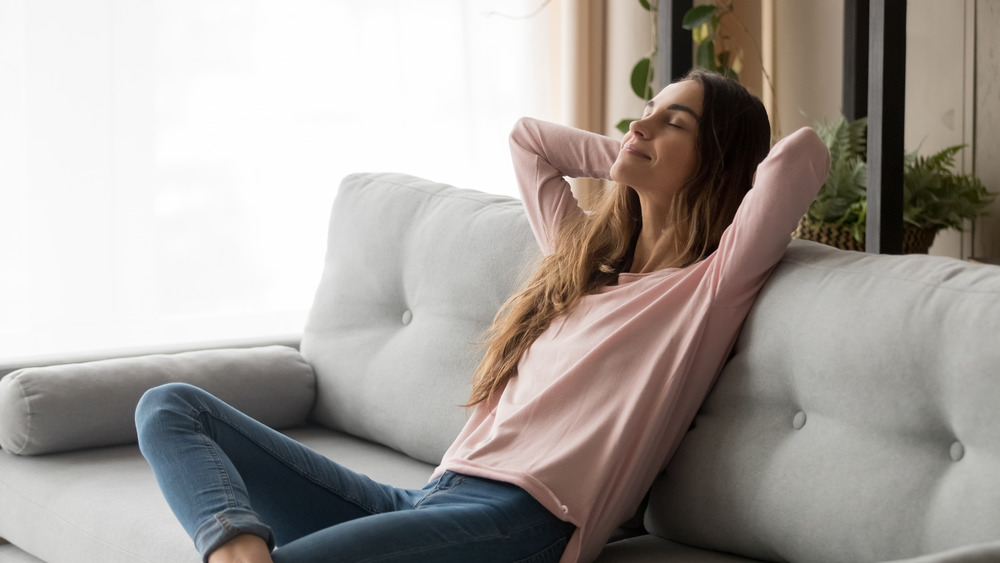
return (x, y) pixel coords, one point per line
(223, 474)
(294, 467)
(438, 488)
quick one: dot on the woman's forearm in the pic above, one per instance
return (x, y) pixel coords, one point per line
(570, 152)
(544, 154)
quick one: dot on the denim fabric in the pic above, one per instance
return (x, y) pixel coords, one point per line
(225, 474)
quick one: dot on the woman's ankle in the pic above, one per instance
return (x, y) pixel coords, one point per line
(246, 548)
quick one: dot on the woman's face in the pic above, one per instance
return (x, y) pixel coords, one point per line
(660, 151)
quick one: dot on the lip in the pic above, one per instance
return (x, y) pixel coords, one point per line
(632, 149)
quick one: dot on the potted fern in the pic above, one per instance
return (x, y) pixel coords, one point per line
(935, 196)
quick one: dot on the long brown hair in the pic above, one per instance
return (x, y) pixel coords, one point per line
(591, 250)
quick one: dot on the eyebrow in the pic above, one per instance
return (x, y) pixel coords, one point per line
(677, 107)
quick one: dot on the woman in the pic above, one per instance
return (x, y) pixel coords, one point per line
(592, 373)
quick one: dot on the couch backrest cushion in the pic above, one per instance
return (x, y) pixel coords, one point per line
(858, 419)
(415, 272)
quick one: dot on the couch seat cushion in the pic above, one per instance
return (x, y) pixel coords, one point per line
(104, 505)
(653, 549)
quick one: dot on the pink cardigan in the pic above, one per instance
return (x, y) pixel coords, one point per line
(604, 396)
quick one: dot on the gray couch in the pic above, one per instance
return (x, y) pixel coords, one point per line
(858, 418)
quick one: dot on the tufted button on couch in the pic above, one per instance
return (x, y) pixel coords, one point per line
(858, 418)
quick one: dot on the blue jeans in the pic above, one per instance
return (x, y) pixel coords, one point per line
(225, 474)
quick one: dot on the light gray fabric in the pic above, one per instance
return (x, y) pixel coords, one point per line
(978, 553)
(104, 505)
(858, 419)
(73, 406)
(415, 273)
(90, 505)
(10, 553)
(652, 549)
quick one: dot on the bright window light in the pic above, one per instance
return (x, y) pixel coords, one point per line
(167, 167)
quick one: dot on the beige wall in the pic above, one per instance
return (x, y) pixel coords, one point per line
(808, 62)
(745, 28)
(630, 36)
(939, 88)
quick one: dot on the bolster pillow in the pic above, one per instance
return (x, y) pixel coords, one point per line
(74, 406)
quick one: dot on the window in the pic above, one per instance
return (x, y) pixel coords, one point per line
(167, 167)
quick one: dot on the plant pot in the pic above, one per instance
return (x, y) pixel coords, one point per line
(915, 240)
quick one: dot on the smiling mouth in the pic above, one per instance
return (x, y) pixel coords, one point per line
(630, 148)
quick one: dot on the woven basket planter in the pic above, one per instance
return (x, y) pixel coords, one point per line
(915, 241)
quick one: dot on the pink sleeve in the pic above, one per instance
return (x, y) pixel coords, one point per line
(544, 154)
(786, 183)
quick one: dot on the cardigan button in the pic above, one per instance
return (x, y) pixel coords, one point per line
(407, 317)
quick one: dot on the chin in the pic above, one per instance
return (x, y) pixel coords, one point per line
(616, 174)
(613, 173)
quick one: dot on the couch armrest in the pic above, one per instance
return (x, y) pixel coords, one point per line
(976, 553)
(74, 406)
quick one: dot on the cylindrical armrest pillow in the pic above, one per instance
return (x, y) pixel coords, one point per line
(74, 406)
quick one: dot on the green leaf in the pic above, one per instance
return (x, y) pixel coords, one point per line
(934, 194)
(706, 55)
(641, 77)
(697, 16)
(623, 125)
(645, 4)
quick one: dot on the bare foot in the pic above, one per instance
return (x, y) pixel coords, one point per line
(247, 548)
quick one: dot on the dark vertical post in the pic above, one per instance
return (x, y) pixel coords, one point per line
(674, 52)
(855, 93)
(886, 102)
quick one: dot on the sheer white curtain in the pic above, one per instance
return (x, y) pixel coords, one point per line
(167, 166)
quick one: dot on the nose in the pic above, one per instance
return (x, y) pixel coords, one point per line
(638, 128)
